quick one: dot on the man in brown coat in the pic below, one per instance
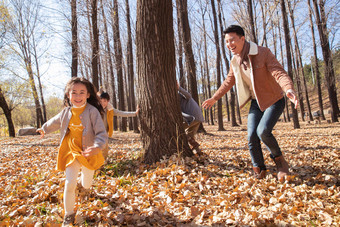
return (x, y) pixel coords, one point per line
(261, 79)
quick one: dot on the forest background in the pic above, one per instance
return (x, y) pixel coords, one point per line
(36, 50)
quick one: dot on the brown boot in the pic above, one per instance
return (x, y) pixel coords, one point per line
(282, 168)
(195, 145)
(259, 174)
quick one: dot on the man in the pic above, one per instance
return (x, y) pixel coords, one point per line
(192, 117)
(261, 79)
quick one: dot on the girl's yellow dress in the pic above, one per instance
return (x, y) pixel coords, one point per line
(71, 146)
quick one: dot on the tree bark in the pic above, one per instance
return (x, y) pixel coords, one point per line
(95, 44)
(316, 63)
(327, 56)
(74, 43)
(218, 67)
(119, 64)
(189, 55)
(289, 59)
(282, 59)
(182, 80)
(300, 64)
(111, 70)
(130, 70)
(161, 131)
(8, 114)
(298, 83)
(232, 103)
(251, 21)
(206, 65)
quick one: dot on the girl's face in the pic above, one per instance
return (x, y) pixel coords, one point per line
(104, 103)
(78, 94)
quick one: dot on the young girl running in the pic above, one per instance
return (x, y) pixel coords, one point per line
(83, 136)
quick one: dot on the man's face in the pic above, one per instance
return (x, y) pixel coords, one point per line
(104, 103)
(234, 43)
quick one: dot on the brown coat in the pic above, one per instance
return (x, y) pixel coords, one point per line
(269, 79)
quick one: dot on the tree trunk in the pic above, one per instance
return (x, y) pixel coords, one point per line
(206, 65)
(282, 59)
(316, 63)
(74, 43)
(300, 64)
(130, 70)
(327, 56)
(232, 102)
(182, 80)
(218, 68)
(95, 44)
(119, 64)
(264, 23)
(289, 59)
(36, 58)
(8, 114)
(298, 84)
(251, 21)
(161, 131)
(111, 71)
(189, 55)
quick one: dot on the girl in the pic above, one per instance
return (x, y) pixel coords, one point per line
(83, 136)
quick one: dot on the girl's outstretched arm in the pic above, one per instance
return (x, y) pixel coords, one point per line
(42, 133)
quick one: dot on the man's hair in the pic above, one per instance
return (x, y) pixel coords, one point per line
(234, 28)
(104, 95)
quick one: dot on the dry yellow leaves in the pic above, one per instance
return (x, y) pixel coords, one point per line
(215, 189)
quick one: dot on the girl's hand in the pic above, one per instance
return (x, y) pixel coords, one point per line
(207, 104)
(90, 151)
(292, 97)
(137, 109)
(42, 133)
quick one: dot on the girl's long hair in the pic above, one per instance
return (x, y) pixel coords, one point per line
(93, 99)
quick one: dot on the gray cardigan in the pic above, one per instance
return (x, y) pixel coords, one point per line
(94, 133)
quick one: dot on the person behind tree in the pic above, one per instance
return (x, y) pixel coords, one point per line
(261, 79)
(109, 113)
(83, 136)
(192, 116)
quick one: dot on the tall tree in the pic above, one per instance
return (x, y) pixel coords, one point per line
(289, 55)
(282, 61)
(182, 7)
(206, 65)
(111, 70)
(8, 114)
(316, 62)
(189, 55)
(233, 115)
(23, 27)
(321, 21)
(119, 63)
(251, 21)
(218, 67)
(74, 43)
(130, 71)
(299, 63)
(38, 75)
(95, 44)
(161, 131)
(182, 80)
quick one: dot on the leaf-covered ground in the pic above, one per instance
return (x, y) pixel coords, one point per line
(216, 189)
